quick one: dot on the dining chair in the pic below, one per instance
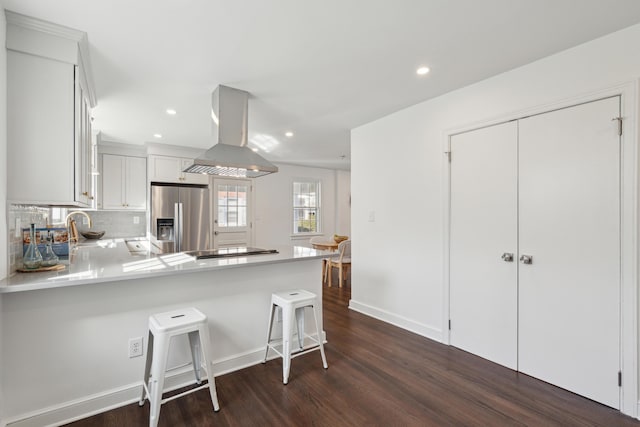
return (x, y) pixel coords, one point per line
(325, 261)
(342, 262)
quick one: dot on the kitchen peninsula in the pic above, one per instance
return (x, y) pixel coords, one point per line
(77, 324)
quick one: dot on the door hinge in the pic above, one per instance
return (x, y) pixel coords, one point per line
(448, 153)
(449, 324)
(619, 378)
(619, 119)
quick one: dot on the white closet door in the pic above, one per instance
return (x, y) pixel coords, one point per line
(483, 287)
(569, 205)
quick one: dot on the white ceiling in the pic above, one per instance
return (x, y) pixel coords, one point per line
(317, 69)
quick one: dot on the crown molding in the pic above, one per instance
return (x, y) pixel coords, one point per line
(51, 29)
(161, 149)
(28, 22)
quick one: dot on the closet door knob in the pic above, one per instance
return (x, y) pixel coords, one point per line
(507, 257)
(526, 259)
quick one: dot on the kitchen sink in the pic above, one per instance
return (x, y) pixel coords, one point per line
(137, 246)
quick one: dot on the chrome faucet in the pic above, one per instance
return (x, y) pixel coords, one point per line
(73, 231)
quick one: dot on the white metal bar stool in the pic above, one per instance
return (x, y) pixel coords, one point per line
(293, 302)
(163, 327)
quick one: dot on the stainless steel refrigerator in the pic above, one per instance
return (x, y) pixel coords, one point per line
(179, 217)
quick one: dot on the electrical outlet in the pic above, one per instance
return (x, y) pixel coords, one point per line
(135, 347)
(136, 220)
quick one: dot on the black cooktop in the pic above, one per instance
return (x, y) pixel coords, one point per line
(230, 252)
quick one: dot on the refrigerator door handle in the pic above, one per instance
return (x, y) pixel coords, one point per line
(176, 233)
(181, 227)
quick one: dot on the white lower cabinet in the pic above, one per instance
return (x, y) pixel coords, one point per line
(169, 169)
(535, 247)
(124, 181)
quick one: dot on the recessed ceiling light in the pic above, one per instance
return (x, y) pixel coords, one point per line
(422, 71)
(157, 135)
(255, 150)
(288, 134)
(171, 112)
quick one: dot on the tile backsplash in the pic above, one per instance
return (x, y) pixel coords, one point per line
(116, 224)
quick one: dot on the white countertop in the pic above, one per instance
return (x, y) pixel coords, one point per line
(110, 260)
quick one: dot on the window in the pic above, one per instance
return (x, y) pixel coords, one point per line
(232, 205)
(57, 215)
(306, 207)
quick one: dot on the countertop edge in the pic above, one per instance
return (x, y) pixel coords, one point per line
(252, 261)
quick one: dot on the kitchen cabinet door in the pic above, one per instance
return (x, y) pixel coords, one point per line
(40, 130)
(169, 169)
(113, 182)
(49, 100)
(85, 188)
(570, 224)
(136, 182)
(165, 169)
(484, 227)
(124, 182)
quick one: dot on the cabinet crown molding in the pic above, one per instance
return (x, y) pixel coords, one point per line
(28, 34)
(46, 27)
(160, 149)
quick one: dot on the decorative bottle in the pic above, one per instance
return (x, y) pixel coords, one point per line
(32, 258)
(49, 258)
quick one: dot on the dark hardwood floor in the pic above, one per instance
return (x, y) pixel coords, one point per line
(378, 375)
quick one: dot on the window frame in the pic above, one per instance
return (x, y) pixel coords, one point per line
(318, 208)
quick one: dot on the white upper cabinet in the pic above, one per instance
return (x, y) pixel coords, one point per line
(124, 182)
(169, 169)
(49, 101)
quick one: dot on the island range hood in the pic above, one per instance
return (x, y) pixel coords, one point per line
(230, 156)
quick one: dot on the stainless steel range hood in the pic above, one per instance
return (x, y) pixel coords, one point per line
(230, 156)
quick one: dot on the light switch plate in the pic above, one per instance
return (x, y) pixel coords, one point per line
(136, 220)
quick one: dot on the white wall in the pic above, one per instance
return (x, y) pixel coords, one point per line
(4, 244)
(343, 203)
(273, 198)
(404, 283)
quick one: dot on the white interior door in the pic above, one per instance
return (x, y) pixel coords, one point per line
(569, 205)
(232, 213)
(483, 286)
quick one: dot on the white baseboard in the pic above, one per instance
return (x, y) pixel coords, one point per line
(397, 320)
(87, 406)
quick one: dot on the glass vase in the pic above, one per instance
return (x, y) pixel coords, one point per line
(49, 258)
(32, 258)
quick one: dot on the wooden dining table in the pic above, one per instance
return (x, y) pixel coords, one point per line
(329, 245)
